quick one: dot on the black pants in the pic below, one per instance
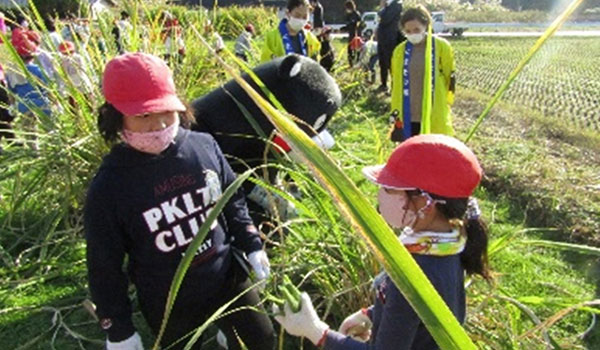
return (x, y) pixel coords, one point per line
(5, 117)
(385, 61)
(398, 136)
(253, 328)
(352, 55)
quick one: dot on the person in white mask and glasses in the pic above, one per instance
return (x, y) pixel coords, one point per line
(290, 36)
(408, 72)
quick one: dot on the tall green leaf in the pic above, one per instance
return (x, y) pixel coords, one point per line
(427, 86)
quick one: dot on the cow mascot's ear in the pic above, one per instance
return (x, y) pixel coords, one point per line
(290, 67)
(303, 88)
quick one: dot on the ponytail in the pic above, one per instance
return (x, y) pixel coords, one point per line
(464, 214)
(474, 258)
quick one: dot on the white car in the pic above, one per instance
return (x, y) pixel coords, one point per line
(370, 21)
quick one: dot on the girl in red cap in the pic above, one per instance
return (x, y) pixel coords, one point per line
(148, 200)
(428, 203)
(28, 89)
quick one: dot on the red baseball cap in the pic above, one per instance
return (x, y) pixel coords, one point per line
(140, 83)
(249, 28)
(66, 47)
(25, 42)
(437, 164)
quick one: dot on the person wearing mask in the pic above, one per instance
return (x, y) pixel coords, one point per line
(146, 203)
(290, 35)
(438, 222)
(352, 27)
(388, 36)
(408, 70)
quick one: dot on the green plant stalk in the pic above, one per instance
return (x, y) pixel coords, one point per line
(577, 248)
(402, 268)
(427, 88)
(289, 297)
(558, 22)
(190, 252)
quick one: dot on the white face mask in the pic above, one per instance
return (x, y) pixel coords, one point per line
(296, 23)
(415, 38)
(394, 209)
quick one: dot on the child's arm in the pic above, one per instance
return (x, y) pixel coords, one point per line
(105, 255)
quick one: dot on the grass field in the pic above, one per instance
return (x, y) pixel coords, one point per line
(539, 147)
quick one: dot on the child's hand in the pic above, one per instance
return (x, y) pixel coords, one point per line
(260, 264)
(304, 323)
(132, 343)
(358, 326)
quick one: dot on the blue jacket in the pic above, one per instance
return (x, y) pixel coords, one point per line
(149, 207)
(396, 326)
(31, 95)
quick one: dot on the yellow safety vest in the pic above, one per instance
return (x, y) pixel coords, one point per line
(273, 45)
(441, 115)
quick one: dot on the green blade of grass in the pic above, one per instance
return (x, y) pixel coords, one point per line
(535, 48)
(427, 87)
(402, 268)
(577, 248)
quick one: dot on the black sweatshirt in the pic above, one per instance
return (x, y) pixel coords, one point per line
(149, 207)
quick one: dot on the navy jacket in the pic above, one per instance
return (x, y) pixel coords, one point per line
(396, 326)
(149, 207)
(388, 33)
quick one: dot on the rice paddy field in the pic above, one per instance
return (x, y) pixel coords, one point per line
(561, 81)
(540, 196)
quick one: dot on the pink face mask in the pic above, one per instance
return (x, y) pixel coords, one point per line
(394, 209)
(153, 142)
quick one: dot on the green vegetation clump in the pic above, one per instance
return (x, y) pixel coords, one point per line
(541, 183)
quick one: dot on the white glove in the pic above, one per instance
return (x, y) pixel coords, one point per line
(305, 323)
(132, 343)
(358, 326)
(222, 340)
(324, 139)
(260, 263)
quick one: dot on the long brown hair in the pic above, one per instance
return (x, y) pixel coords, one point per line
(474, 257)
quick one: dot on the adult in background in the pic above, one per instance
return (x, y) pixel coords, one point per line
(352, 27)
(408, 69)
(388, 36)
(290, 35)
(317, 21)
